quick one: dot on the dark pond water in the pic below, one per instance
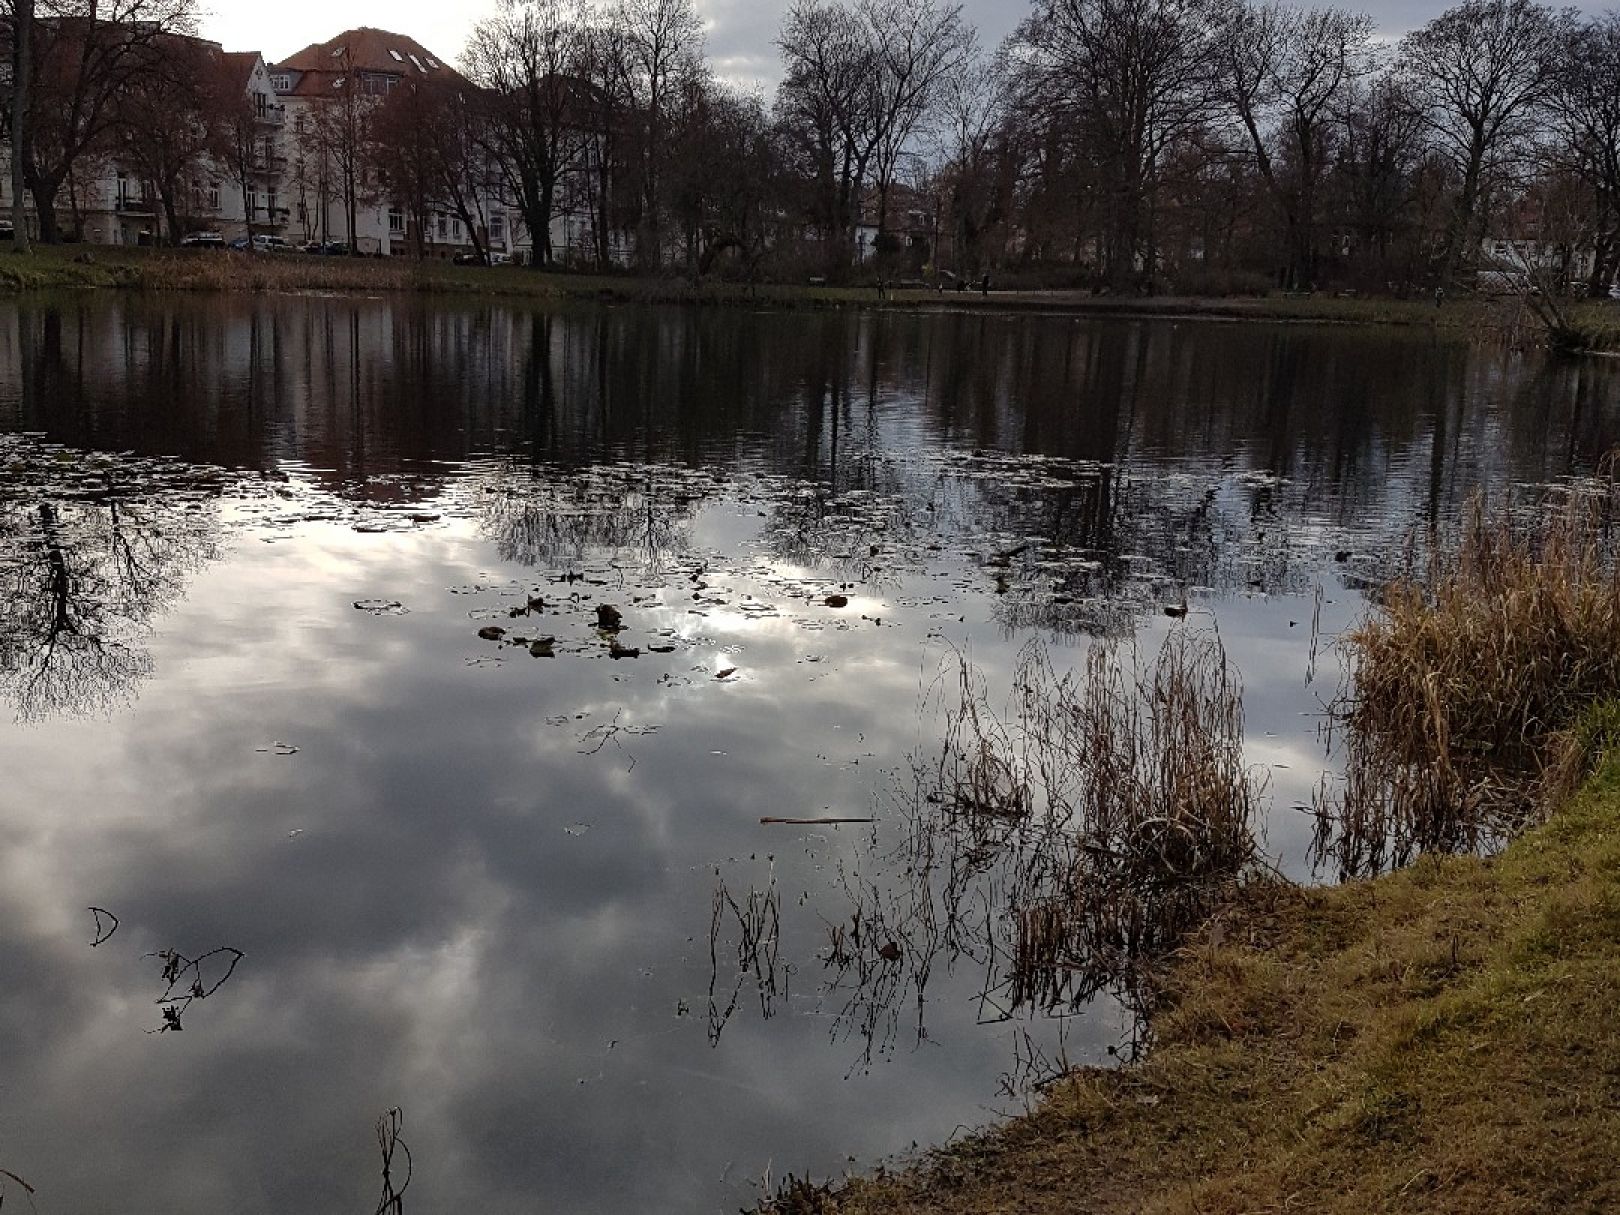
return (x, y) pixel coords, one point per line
(247, 546)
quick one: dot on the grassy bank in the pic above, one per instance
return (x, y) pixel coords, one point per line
(1446, 1038)
(183, 270)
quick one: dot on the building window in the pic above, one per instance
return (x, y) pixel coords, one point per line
(455, 229)
(213, 196)
(497, 227)
(396, 220)
(444, 227)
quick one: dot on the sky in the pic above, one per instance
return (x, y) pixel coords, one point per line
(740, 32)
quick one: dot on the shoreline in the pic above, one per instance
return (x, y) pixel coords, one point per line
(1442, 1038)
(59, 268)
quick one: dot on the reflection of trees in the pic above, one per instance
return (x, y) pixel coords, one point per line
(542, 515)
(82, 575)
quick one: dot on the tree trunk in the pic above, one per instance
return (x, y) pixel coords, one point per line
(22, 70)
(548, 198)
(45, 190)
(1462, 219)
(171, 214)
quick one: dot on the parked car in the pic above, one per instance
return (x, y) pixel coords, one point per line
(202, 240)
(271, 244)
(489, 259)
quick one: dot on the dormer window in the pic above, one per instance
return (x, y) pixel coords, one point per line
(418, 64)
(338, 54)
(398, 58)
(433, 63)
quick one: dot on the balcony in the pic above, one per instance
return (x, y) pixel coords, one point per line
(129, 204)
(270, 165)
(272, 115)
(270, 217)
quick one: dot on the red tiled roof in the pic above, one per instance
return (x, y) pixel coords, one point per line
(369, 50)
(239, 66)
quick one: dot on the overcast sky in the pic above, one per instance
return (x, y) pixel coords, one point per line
(740, 31)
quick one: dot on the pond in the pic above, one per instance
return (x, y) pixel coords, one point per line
(303, 687)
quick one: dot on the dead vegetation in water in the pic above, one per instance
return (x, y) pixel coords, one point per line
(753, 925)
(1064, 846)
(1464, 680)
(389, 1144)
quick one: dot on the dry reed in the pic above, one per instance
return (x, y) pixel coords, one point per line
(1463, 680)
(1094, 825)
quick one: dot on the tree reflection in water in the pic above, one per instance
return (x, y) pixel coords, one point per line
(92, 549)
(540, 515)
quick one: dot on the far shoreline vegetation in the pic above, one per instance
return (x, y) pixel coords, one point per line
(48, 268)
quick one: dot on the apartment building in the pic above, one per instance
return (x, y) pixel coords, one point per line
(108, 201)
(283, 177)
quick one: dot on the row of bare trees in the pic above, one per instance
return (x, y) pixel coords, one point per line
(1132, 144)
(1141, 138)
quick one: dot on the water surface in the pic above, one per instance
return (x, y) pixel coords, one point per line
(248, 545)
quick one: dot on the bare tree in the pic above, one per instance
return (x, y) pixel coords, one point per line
(607, 102)
(168, 125)
(530, 59)
(1480, 72)
(345, 120)
(722, 172)
(86, 53)
(918, 45)
(825, 107)
(974, 115)
(663, 40)
(1586, 114)
(1379, 161)
(1131, 77)
(403, 133)
(1282, 71)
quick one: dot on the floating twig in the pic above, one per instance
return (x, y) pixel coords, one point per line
(815, 822)
(103, 932)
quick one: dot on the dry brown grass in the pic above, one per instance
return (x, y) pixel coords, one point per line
(1466, 674)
